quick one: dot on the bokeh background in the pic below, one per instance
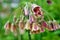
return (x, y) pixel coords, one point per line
(7, 7)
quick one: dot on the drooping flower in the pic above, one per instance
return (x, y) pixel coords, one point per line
(14, 29)
(27, 25)
(35, 28)
(51, 26)
(36, 9)
(31, 19)
(42, 28)
(21, 27)
(44, 24)
(55, 25)
(7, 27)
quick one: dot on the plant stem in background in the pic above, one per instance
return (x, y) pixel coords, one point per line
(15, 38)
(29, 35)
(21, 37)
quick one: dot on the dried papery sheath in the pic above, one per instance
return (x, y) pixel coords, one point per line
(35, 28)
(14, 29)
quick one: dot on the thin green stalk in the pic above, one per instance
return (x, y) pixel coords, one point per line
(21, 37)
(29, 35)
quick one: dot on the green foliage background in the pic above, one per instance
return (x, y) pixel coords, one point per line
(51, 12)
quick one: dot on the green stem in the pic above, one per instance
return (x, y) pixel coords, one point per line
(29, 35)
(15, 38)
(21, 37)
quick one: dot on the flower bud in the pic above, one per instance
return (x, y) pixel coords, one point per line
(26, 11)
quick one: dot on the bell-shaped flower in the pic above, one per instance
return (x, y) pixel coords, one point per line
(36, 9)
(35, 28)
(51, 26)
(55, 24)
(31, 19)
(27, 25)
(14, 29)
(44, 24)
(42, 28)
(21, 27)
(7, 27)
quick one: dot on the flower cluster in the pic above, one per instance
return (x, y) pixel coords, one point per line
(35, 23)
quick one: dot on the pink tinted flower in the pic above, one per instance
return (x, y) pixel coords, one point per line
(21, 27)
(35, 28)
(36, 9)
(14, 29)
(44, 24)
(41, 30)
(31, 19)
(50, 26)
